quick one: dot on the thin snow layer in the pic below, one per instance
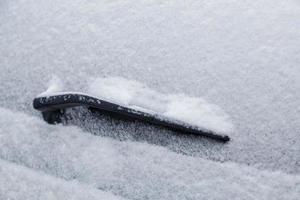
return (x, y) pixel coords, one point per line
(18, 182)
(191, 110)
(129, 169)
(241, 55)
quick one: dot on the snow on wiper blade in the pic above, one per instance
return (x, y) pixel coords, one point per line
(52, 105)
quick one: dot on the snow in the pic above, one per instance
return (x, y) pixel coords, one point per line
(55, 85)
(133, 94)
(130, 169)
(19, 182)
(240, 55)
(191, 110)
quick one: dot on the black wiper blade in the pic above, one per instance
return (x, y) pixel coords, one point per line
(51, 107)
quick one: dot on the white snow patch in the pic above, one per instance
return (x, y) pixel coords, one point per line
(192, 110)
(130, 169)
(54, 85)
(19, 182)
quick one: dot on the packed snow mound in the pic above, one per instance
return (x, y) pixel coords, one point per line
(133, 94)
(129, 169)
(18, 182)
(55, 84)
